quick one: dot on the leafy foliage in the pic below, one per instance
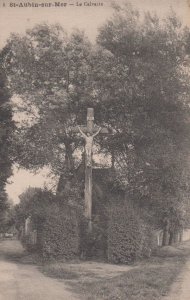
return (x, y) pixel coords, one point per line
(136, 78)
(60, 234)
(143, 87)
(33, 203)
(52, 86)
(6, 128)
(55, 220)
(128, 237)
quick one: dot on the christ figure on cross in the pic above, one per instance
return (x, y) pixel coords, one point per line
(88, 145)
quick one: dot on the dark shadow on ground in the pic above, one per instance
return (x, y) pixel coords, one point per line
(13, 251)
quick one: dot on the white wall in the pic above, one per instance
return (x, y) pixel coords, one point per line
(186, 235)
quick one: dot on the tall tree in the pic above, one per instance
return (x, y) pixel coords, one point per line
(6, 128)
(143, 90)
(53, 91)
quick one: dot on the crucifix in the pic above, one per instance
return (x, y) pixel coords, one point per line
(88, 133)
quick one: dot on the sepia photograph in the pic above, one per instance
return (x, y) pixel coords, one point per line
(95, 150)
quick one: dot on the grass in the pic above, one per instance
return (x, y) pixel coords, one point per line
(63, 271)
(143, 283)
(150, 280)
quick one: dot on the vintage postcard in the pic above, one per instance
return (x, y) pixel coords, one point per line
(94, 149)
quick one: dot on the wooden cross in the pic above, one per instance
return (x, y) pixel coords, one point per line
(89, 132)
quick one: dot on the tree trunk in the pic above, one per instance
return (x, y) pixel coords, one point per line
(69, 157)
(171, 238)
(176, 236)
(165, 237)
(165, 234)
(113, 159)
(181, 235)
(69, 166)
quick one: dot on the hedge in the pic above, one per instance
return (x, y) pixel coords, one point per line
(60, 234)
(129, 237)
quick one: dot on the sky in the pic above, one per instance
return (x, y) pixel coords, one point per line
(18, 19)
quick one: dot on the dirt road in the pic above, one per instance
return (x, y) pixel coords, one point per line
(19, 281)
(181, 288)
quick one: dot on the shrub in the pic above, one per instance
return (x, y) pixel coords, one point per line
(54, 220)
(60, 234)
(129, 237)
